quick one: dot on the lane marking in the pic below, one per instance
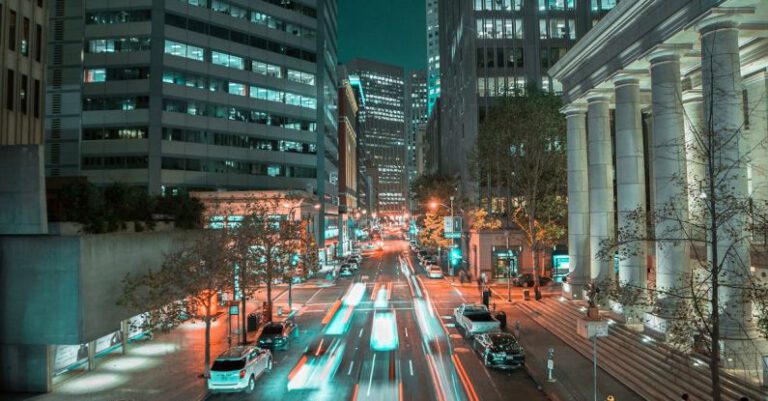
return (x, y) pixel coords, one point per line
(410, 364)
(313, 296)
(370, 378)
(351, 364)
(361, 334)
(406, 331)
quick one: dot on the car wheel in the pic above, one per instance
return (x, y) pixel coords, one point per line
(487, 362)
(251, 385)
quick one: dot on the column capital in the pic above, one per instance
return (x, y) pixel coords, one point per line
(574, 109)
(625, 77)
(667, 52)
(599, 95)
(722, 18)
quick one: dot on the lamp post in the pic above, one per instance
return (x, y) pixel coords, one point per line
(509, 269)
(434, 205)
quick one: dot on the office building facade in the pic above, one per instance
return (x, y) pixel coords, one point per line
(433, 54)
(416, 95)
(382, 129)
(495, 48)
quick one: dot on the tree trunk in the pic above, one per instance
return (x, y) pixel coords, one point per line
(714, 358)
(534, 246)
(207, 341)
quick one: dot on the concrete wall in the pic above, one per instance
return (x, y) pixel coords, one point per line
(481, 244)
(67, 293)
(22, 190)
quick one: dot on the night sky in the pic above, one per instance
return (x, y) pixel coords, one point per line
(390, 31)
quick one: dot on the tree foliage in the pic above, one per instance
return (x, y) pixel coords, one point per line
(429, 187)
(431, 234)
(184, 287)
(480, 220)
(520, 157)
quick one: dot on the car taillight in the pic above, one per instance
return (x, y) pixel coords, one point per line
(242, 374)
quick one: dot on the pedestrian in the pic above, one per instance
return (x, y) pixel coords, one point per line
(480, 284)
(484, 277)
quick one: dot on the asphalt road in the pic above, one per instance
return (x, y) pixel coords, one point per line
(391, 339)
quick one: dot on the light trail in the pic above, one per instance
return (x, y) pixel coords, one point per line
(384, 331)
(382, 300)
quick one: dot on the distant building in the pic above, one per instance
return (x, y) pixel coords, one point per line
(495, 48)
(416, 119)
(348, 169)
(382, 129)
(433, 54)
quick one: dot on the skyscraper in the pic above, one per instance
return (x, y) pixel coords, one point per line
(433, 54)
(194, 94)
(416, 94)
(382, 120)
(495, 48)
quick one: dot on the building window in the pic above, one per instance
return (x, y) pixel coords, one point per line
(184, 50)
(95, 75)
(227, 60)
(301, 77)
(25, 32)
(10, 90)
(37, 100)
(23, 97)
(38, 42)
(266, 69)
(118, 45)
(12, 31)
(117, 17)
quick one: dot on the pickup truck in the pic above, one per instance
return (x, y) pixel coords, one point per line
(475, 319)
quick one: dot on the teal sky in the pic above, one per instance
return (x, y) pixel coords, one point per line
(389, 31)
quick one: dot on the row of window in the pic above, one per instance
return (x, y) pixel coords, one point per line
(236, 114)
(91, 75)
(232, 166)
(543, 5)
(196, 136)
(288, 5)
(114, 162)
(126, 103)
(238, 37)
(236, 62)
(236, 88)
(237, 141)
(499, 29)
(20, 34)
(17, 94)
(256, 17)
(117, 17)
(118, 45)
(500, 57)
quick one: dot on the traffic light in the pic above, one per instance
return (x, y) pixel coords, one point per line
(455, 256)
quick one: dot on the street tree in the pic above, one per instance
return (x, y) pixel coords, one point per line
(185, 287)
(718, 226)
(432, 235)
(480, 220)
(428, 187)
(520, 156)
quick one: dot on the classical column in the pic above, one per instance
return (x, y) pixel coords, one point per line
(695, 166)
(630, 182)
(757, 105)
(578, 201)
(670, 201)
(601, 209)
(723, 109)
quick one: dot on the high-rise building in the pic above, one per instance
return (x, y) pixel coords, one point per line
(416, 119)
(22, 81)
(382, 128)
(433, 54)
(22, 68)
(195, 94)
(495, 48)
(348, 169)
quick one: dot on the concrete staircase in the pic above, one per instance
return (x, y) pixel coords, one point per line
(646, 366)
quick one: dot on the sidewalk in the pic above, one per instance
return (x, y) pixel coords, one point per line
(573, 372)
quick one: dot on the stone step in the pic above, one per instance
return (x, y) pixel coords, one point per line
(624, 355)
(731, 385)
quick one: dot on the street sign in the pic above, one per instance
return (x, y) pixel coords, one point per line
(452, 227)
(448, 224)
(234, 310)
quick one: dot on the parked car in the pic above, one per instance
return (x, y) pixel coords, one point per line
(356, 258)
(429, 260)
(277, 334)
(421, 255)
(345, 271)
(526, 280)
(238, 368)
(351, 262)
(475, 319)
(499, 350)
(434, 271)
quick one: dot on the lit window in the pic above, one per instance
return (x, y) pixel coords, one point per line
(95, 75)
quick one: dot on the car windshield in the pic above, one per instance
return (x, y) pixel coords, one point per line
(272, 329)
(223, 365)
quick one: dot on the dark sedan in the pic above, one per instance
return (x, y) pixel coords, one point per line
(278, 334)
(499, 350)
(526, 280)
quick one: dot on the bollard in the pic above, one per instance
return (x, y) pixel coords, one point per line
(551, 365)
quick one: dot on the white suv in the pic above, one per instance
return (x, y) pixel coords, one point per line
(434, 271)
(238, 368)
